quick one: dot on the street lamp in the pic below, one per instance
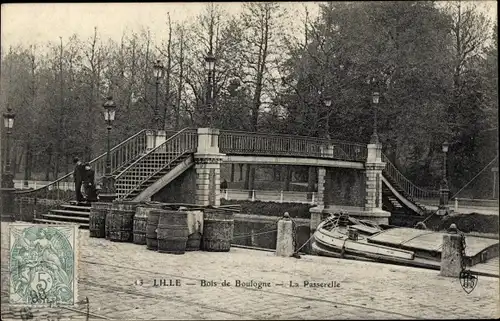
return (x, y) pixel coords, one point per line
(210, 66)
(8, 121)
(108, 193)
(7, 186)
(443, 188)
(158, 73)
(375, 101)
(327, 101)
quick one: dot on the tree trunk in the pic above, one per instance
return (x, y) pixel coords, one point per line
(232, 173)
(251, 182)
(247, 177)
(241, 172)
(48, 164)
(311, 182)
(288, 177)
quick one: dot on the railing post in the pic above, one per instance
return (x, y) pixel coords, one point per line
(227, 194)
(281, 196)
(456, 205)
(312, 197)
(253, 195)
(150, 140)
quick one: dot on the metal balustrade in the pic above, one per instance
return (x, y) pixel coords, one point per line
(264, 144)
(269, 196)
(413, 191)
(62, 189)
(133, 165)
(148, 165)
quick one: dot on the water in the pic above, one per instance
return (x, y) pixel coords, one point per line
(251, 230)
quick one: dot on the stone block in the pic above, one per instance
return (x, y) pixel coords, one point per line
(451, 255)
(284, 240)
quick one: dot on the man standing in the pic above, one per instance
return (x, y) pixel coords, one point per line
(78, 177)
(89, 183)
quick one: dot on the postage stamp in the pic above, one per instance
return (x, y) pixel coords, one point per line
(43, 264)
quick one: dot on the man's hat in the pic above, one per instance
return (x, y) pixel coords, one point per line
(75, 160)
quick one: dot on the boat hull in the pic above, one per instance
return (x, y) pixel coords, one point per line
(334, 243)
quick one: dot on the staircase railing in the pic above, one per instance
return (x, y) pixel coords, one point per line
(413, 191)
(265, 144)
(62, 189)
(149, 164)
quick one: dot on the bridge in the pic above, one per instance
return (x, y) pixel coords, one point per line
(184, 167)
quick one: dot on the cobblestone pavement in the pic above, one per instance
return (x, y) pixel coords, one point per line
(109, 275)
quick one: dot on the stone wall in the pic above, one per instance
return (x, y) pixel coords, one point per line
(180, 190)
(344, 186)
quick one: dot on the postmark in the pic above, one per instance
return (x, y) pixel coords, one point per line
(43, 264)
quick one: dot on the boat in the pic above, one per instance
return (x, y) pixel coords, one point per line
(343, 236)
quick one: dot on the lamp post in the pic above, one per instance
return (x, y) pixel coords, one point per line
(158, 73)
(7, 186)
(444, 191)
(327, 101)
(375, 101)
(108, 192)
(210, 66)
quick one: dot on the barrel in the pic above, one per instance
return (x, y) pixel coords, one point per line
(218, 227)
(97, 219)
(152, 215)
(195, 226)
(120, 221)
(172, 232)
(140, 223)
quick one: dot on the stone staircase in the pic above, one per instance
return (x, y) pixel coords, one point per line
(141, 175)
(67, 213)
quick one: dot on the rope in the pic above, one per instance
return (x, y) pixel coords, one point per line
(428, 217)
(474, 177)
(247, 235)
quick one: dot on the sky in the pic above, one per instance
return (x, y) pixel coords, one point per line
(25, 23)
(43, 22)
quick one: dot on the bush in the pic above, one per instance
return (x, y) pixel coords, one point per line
(466, 223)
(296, 210)
(473, 222)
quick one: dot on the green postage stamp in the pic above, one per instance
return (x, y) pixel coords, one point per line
(43, 264)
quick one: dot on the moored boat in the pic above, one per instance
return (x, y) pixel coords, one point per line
(346, 237)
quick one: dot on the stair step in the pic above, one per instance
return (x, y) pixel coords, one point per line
(76, 207)
(70, 213)
(62, 217)
(41, 220)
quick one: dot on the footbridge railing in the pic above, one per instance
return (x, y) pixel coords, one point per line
(143, 168)
(62, 189)
(413, 191)
(265, 144)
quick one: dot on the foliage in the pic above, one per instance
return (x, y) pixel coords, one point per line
(296, 210)
(434, 65)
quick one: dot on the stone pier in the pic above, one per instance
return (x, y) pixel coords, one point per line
(373, 199)
(207, 165)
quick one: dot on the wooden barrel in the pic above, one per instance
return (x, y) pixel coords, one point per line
(193, 242)
(97, 219)
(120, 221)
(218, 227)
(152, 216)
(195, 226)
(172, 232)
(140, 223)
